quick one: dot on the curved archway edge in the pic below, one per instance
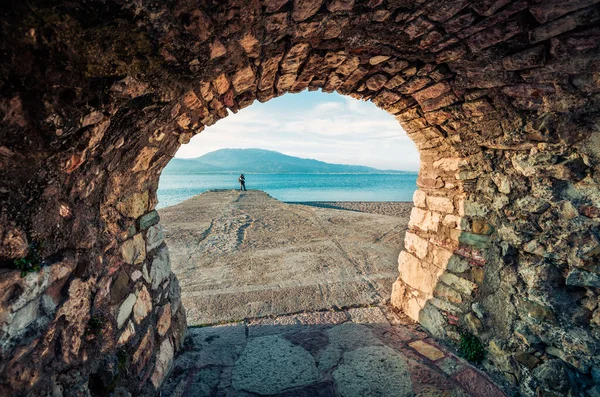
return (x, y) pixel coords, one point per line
(501, 98)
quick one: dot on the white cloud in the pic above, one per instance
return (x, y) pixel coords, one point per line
(343, 131)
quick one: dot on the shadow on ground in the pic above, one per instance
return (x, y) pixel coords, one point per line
(359, 352)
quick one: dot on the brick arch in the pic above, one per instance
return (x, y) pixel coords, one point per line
(499, 96)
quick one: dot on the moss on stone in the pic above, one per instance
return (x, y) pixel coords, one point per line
(471, 347)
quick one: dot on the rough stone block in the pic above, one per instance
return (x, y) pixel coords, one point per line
(549, 10)
(440, 256)
(134, 205)
(243, 80)
(133, 250)
(147, 220)
(445, 306)
(531, 58)
(444, 291)
(417, 273)
(419, 198)
(416, 245)
(143, 305)
(340, 5)
(161, 267)
(471, 208)
(450, 163)
(432, 91)
(304, 9)
(475, 240)
(430, 318)
(424, 220)
(581, 278)
(460, 284)
(125, 310)
(488, 7)
(440, 204)
(494, 35)
(164, 362)
(154, 237)
(564, 24)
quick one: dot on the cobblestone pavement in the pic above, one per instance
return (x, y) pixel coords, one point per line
(358, 352)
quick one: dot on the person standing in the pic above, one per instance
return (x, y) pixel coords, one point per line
(242, 180)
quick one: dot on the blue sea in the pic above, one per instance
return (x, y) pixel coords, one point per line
(173, 189)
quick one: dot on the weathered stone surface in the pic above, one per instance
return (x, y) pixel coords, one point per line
(143, 305)
(134, 250)
(582, 278)
(164, 361)
(164, 320)
(465, 286)
(160, 268)
(373, 370)
(243, 80)
(154, 237)
(125, 310)
(135, 205)
(427, 350)
(419, 274)
(270, 364)
(147, 220)
(127, 334)
(440, 204)
(304, 9)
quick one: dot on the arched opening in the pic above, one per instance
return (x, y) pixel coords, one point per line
(500, 97)
(325, 235)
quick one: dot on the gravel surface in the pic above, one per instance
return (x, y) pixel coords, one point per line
(399, 209)
(244, 254)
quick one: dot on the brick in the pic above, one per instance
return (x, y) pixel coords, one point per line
(531, 58)
(418, 27)
(564, 24)
(441, 11)
(433, 91)
(494, 35)
(488, 7)
(376, 82)
(442, 101)
(549, 10)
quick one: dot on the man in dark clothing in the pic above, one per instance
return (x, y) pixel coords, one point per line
(242, 180)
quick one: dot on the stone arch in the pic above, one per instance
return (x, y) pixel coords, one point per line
(500, 97)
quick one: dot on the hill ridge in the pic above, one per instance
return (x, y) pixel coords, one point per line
(261, 161)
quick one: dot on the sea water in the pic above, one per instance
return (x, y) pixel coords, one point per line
(173, 188)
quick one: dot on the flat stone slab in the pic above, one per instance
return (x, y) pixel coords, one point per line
(349, 353)
(374, 371)
(272, 364)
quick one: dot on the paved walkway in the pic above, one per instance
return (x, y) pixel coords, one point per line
(362, 352)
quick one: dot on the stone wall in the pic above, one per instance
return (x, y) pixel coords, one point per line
(74, 334)
(501, 98)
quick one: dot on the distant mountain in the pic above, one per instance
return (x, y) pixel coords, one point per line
(259, 161)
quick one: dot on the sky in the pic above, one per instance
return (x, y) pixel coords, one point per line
(327, 127)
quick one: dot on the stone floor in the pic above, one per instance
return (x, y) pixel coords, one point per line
(359, 352)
